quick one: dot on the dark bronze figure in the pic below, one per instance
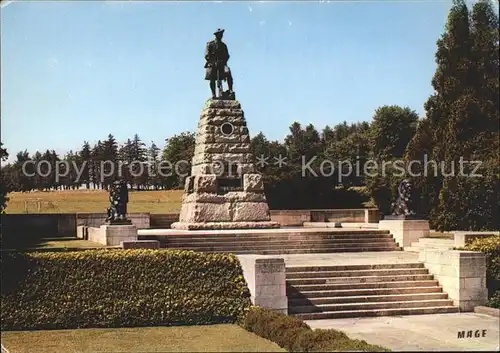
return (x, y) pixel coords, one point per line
(402, 207)
(216, 57)
(118, 197)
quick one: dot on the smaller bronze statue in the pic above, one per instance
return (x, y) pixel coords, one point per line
(217, 56)
(118, 197)
(402, 207)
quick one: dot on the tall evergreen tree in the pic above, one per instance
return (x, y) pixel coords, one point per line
(109, 156)
(83, 162)
(154, 179)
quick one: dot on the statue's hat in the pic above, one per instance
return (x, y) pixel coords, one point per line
(219, 30)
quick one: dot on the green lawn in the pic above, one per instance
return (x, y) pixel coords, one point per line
(210, 338)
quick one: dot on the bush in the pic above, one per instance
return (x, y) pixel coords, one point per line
(491, 247)
(494, 301)
(120, 288)
(294, 335)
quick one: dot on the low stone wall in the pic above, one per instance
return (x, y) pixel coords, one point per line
(290, 218)
(462, 274)
(39, 225)
(140, 220)
(266, 281)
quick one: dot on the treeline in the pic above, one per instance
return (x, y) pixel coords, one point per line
(442, 153)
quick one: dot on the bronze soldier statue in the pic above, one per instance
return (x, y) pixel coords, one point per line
(118, 197)
(216, 56)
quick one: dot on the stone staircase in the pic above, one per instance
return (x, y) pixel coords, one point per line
(276, 243)
(330, 292)
(431, 243)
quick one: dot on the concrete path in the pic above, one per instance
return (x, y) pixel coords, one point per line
(438, 332)
(345, 258)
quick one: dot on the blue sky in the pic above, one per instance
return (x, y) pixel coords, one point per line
(78, 70)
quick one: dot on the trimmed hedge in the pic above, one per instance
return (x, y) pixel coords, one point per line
(294, 335)
(491, 247)
(120, 288)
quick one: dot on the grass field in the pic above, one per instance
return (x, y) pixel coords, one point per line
(74, 201)
(212, 338)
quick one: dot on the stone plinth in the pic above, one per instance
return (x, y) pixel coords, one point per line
(266, 281)
(112, 235)
(462, 274)
(224, 191)
(406, 231)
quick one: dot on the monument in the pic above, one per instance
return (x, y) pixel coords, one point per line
(404, 224)
(118, 197)
(224, 191)
(402, 208)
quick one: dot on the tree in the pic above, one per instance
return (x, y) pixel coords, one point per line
(485, 65)
(83, 163)
(5, 187)
(153, 162)
(391, 130)
(179, 150)
(109, 158)
(139, 157)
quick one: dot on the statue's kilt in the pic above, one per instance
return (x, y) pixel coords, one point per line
(211, 73)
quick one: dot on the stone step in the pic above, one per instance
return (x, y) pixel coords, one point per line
(226, 242)
(264, 246)
(363, 292)
(362, 285)
(296, 301)
(243, 233)
(435, 241)
(286, 250)
(293, 251)
(360, 279)
(369, 306)
(412, 249)
(275, 237)
(358, 273)
(378, 312)
(290, 269)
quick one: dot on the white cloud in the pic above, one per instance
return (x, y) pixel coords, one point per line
(262, 23)
(250, 8)
(289, 23)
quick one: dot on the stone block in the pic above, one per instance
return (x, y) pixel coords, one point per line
(82, 232)
(210, 212)
(251, 211)
(205, 183)
(253, 182)
(272, 302)
(474, 282)
(266, 281)
(270, 290)
(112, 235)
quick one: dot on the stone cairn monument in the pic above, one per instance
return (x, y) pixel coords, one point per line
(223, 191)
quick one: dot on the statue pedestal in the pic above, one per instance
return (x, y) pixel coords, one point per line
(405, 231)
(112, 234)
(224, 191)
(119, 222)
